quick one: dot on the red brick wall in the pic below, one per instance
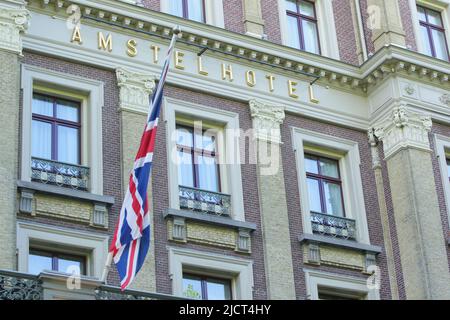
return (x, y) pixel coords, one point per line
(407, 22)
(271, 19)
(233, 11)
(152, 4)
(345, 30)
(293, 199)
(367, 31)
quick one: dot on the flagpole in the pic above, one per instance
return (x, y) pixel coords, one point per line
(176, 31)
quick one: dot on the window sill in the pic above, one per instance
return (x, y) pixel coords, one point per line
(65, 192)
(209, 219)
(313, 238)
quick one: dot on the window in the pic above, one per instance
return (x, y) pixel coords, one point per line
(432, 32)
(39, 260)
(198, 166)
(302, 27)
(333, 294)
(324, 185)
(206, 288)
(55, 129)
(448, 168)
(188, 9)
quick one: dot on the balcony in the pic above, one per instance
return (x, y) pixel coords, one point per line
(59, 173)
(21, 286)
(334, 226)
(204, 201)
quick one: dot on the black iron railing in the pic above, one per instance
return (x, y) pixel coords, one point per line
(205, 201)
(334, 226)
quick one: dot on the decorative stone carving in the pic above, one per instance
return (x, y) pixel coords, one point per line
(26, 201)
(403, 129)
(267, 120)
(179, 229)
(100, 215)
(314, 253)
(243, 241)
(369, 262)
(13, 22)
(135, 90)
(445, 99)
(409, 89)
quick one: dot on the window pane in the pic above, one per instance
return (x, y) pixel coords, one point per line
(207, 141)
(184, 137)
(311, 165)
(185, 169)
(291, 5)
(68, 145)
(218, 290)
(41, 140)
(195, 10)
(38, 263)
(434, 17)
(310, 36)
(329, 168)
(70, 266)
(448, 168)
(421, 13)
(333, 199)
(67, 110)
(42, 105)
(293, 33)
(176, 7)
(207, 174)
(439, 44)
(192, 288)
(314, 195)
(307, 9)
(425, 40)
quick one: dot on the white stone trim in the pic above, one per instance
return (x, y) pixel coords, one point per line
(241, 270)
(92, 105)
(232, 181)
(96, 244)
(314, 279)
(213, 12)
(13, 23)
(349, 163)
(442, 6)
(325, 23)
(442, 144)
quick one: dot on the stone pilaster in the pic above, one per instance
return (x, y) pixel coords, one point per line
(13, 22)
(135, 91)
(386, 23)
(373, 141)
(253, 21)
(272, 194)
(416, 209)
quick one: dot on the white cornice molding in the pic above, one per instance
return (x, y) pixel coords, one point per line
(135, 90)
(267, 120)
(404, 129)
(13, 22)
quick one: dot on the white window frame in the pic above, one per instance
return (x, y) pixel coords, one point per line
(349, 165)
(442, 145)
(90, 94)
(213, 11)
(325, 24)
(231, 178)
(443, 6)
(315, 279)
(240, 270)
(95, 244)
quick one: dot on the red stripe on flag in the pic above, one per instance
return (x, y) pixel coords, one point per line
(130, 265)
(147, 143)
(135, 204)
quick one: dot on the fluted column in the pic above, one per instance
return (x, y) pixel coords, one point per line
(135, 90)
(416, 208)
(13, 23)
(272, 194)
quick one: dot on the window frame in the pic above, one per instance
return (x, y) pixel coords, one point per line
(213, 12)
(299, 18)
(56, 256)
(429, 26)
(204, 279)
(442, 150)
(54, 121)
(321, 178)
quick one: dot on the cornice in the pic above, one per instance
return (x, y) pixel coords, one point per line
(390, 60)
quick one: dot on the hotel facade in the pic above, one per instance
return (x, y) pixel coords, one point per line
(303, 150)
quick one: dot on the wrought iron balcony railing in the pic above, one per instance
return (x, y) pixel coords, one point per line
(59, 173)
(334, 226)
(205, 201)
(20, 286)
(114, 293)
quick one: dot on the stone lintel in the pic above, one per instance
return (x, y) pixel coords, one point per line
(313, 238)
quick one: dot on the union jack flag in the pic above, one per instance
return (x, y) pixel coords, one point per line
(132, 235)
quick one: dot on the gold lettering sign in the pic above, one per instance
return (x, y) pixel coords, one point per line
(200, 67)
(155, 50)
(250, 78)
(311, 95)
(292, 89)
(105, 44)
(270, 78)
(132, 48)
(227, 71)
(179, 60)
(76, 35)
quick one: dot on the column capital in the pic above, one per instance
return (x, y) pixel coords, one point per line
(267, 120)
(135, 89)
(13, 23)
(404, 129)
